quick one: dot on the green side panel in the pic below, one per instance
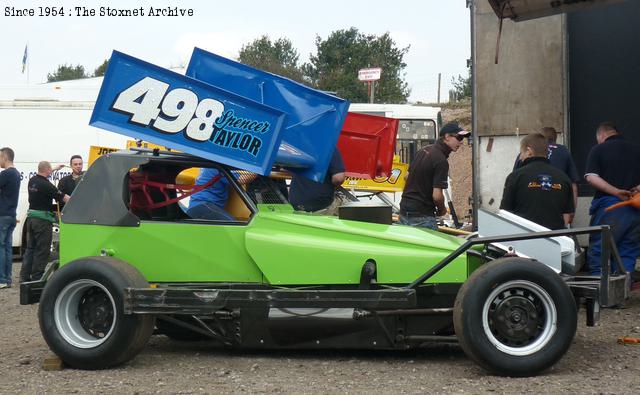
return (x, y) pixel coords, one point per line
(289, 248)
(296, 248)
(167, 252)
(474, 262)
(280, 208)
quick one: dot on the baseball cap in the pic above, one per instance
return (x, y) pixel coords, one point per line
(455, 129)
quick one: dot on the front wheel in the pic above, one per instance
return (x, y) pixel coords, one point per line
(81, 313)
(515, 317)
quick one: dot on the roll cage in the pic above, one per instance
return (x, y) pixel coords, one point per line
(126, 187)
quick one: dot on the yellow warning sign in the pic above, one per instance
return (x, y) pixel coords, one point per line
(95, 152)
(394, 183)
(146, 145)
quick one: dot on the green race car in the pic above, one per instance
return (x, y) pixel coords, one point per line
(133, 263)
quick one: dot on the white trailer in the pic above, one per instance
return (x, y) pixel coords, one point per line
(49, 122)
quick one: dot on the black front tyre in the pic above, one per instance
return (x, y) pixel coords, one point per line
(515, 317)
(81, 313)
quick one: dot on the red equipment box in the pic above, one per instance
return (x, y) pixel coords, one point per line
(367, 144)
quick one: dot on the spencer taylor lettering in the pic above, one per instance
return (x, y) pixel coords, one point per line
(223, 137)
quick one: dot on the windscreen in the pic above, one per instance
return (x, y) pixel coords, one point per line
(414, 134)
(417, 129)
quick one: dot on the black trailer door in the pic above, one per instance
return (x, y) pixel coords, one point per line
(604, 75)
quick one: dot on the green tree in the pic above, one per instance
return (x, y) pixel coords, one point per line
(461, 87)
(335, 66)
(100, 70)
(67, 72)
(278, 57)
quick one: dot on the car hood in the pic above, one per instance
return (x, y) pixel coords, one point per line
(297, 248)
(420, 237)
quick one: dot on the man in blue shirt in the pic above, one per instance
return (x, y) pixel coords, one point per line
(9, 190)
(209, 203)
(613, 169)
(319, 197)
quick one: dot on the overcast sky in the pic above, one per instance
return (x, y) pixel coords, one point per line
(436, 30)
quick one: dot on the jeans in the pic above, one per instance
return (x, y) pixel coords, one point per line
(209, 211)
(421, 221)
(7, 225)
(625, 228)
(36, 256)
(333, 208)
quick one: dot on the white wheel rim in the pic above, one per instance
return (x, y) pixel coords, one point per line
(68, 308)
(521, 291)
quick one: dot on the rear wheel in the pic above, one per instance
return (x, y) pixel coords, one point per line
(515, 317)
(85, 313)
(81, 313)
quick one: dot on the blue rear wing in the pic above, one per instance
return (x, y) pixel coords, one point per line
(147, 102)
(314, 119)
(228, 112)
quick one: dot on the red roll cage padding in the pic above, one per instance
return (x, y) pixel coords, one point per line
(141, 196)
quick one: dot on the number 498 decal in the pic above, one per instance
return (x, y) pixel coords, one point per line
(148, 102)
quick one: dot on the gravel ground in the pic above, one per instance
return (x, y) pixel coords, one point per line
(594, 364)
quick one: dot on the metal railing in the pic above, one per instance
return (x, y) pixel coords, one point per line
(609, 251)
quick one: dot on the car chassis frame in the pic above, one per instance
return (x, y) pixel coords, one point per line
(218, 298)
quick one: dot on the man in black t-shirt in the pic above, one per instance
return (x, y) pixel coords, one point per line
(68, 183)
(9, 191)
(422, 198)
(39, 222)
(560, 158)
(538, 191)
(319, 197)
(613, 169)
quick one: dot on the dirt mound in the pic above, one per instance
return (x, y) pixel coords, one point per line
(460, 162)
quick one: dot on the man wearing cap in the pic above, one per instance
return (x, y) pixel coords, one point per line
(422, 198)
(613, 169)
(538, 191)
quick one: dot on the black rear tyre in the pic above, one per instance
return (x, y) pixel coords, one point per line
(515, 317)
(81, 313)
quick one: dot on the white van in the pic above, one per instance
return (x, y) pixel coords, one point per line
(49, 122)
